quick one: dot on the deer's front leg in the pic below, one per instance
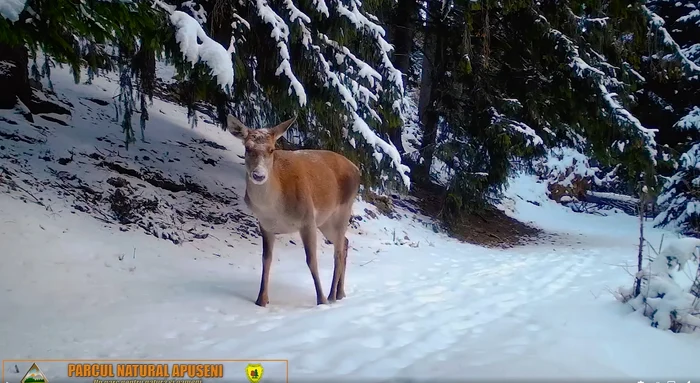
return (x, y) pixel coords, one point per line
(268, 241)
(308, 238)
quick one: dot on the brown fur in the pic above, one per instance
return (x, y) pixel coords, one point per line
(303, 191)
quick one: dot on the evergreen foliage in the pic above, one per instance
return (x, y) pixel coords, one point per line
(483, 85)
(671, 101)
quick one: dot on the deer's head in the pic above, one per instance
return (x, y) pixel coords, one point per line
(259, 147)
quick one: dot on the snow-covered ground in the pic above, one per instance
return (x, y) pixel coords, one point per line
(419, 303)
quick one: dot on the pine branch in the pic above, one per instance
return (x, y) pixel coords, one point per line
(280, 33)
(394, 76)
(583, 70)
(656, 23)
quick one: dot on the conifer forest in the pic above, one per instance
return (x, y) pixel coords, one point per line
(447, 98)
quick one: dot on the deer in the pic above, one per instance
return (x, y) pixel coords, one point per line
(298, 191)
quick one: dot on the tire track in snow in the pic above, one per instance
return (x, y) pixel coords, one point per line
(444, 326)
(420, 313)
(272, 328)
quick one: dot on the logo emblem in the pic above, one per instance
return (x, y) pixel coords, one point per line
(253, 371)
(34, 375)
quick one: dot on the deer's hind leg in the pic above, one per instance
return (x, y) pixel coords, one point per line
(340, 293)
(308, 237)
(334, 230)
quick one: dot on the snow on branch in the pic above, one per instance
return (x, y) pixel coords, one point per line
(564, 165)
(679, 197)
(619, 111)
(634, 73)
(10, 9)
(200, 14)
(693, 16)
(357, 83)
(665, 294)
(296, 14)
(280, 32)
(321, 7)
(656, 24)
(364, 24)
(238, 24)
(692, 52)
(332, 79)
(602, 81)
(530, 135)
(213, 54)
(360, 126)
(585, 22)
(356, 98)
(166, 7)
(364, 70)
(690, 121)
(348, 99)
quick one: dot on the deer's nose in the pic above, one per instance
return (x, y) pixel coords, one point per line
(258, 175)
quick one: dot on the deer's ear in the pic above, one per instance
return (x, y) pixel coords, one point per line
(278, 131)
(236, 127)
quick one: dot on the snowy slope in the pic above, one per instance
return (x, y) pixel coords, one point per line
(418, 302)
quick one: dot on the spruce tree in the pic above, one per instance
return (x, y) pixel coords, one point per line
(673, 99)
(328, 62)
(99, 35)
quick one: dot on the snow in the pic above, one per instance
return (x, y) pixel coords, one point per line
(217, 58)
(6, 67)
(692, 51)
(531, 136)
(681, 206)
(658, 23)
(693, 15)
(619, 111)
(393, 75)
(690, 121)
(10, 9)
(665, 289)
(364, 71)
(280, 33)
(583, 69)
(564, 165)
(634, 72)
(321, 7)
(614, 196)
(199, 14)
(418, 302)
(360, 126)
(600, 22)
(296, 13)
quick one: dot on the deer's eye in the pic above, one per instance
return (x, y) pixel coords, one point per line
(270, 150)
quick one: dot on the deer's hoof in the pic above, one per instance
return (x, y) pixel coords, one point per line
(322, 301)
(262, 302)
(340, 296)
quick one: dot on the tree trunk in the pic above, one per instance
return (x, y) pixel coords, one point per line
(14, 76)
(640, 257)
(403, 34)
(431, 74)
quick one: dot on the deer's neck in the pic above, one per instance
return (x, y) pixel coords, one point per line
(265, 196)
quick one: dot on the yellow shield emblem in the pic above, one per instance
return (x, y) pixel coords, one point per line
(254, 372)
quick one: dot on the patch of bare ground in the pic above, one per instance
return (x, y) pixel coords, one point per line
(489, 228)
